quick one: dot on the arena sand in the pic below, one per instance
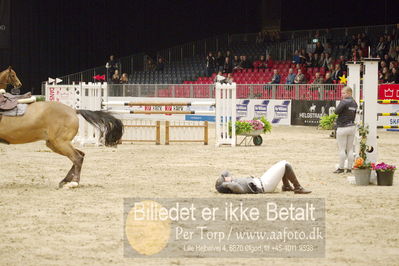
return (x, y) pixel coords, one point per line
(41, 225)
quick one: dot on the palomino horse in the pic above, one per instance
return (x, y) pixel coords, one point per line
(8, 76)
(58, 124)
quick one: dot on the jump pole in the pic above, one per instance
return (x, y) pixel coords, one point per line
(370, 106)
(354, 83)
(158, 103)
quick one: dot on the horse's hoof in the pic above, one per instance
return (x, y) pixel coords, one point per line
(69, 185)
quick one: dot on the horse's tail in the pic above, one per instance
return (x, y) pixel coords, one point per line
(108, 125)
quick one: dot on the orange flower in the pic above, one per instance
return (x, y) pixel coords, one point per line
(359, 162)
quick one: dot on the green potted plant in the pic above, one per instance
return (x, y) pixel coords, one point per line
(385, 173)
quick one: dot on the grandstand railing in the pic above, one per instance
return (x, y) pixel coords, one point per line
(290, 41)
(244, 91)
(127, 64)
(197, 48)
(310, 34)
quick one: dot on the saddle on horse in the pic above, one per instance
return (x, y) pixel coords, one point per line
(14, 105)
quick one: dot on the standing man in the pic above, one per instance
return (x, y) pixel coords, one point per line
(111, 66)
(210, 63)
(346, 111)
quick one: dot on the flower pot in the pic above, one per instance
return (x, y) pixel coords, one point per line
(385, 178)
(362, 176)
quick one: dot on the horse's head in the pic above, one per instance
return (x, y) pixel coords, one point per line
(9, 76)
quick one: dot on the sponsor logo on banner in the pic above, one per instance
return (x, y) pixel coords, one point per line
(308, 113)
(388, 92)
(242, 110)
(260, 110)
(280, 112)
(394, 121)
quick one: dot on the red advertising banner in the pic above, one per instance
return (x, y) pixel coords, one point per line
(388, 92)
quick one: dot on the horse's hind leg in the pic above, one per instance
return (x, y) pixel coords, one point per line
(76, 156)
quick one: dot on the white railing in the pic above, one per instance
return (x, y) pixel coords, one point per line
(244, 91)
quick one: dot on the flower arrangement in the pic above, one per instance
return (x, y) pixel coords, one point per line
(247, 126)
(361, 164)
(383, 167)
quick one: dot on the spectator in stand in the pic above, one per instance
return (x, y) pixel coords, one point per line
(360, 53)
(269, 62)
(298, 66)
(227, 66)
(149, 64)
(342, 62)
(392, 53)
(290, 77)
(397, 53)
(385, 76)
(381, 47)
(320, 63)
(364, 49)
(328, 79)
(229, 78)
(124, 79)
(337, 73)
(318, 79)
(220, 78)
(365, 39)
(236, 63)
(309, 60)
(219, 61)
(228, 54)
(160, 65)
(351, 43)
(296, 59)
(111, 66)
(392, 65)
(210, 62)
(394, 78)
(300, 78)
(303, 57)
(261, 63)
(381, 65)
(115, 77)
(328, 49)
(275, 78)
(315, 61)
(319, 48)
(260, 38)
(327, 60)
(388, 41)
(245, 62)
(387, 59)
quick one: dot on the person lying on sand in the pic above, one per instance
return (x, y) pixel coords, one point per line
(265, 184)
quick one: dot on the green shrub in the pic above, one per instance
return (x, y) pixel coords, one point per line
(327, 121)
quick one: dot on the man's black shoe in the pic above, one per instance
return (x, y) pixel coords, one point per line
(339, 171)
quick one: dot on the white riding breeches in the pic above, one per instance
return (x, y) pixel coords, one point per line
(273, 176)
